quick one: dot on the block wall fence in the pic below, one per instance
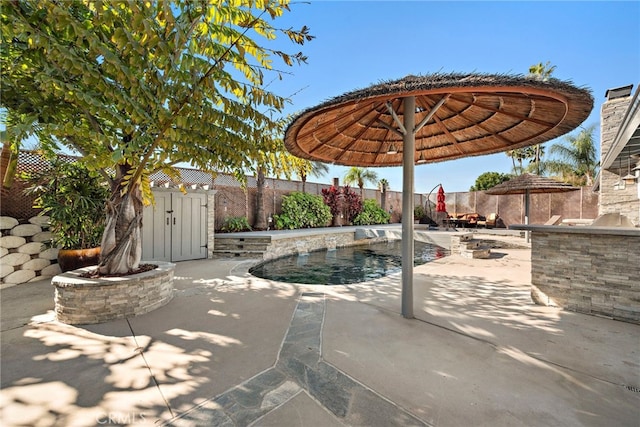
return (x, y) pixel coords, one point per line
(24, 256)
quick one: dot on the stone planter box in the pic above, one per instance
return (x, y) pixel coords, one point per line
(80, 300)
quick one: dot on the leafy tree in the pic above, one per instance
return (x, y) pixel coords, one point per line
(575, 158)
(137, 87)
(276, 162)
(360, 176)
(489, 180)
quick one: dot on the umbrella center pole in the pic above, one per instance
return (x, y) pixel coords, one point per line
(408, 153)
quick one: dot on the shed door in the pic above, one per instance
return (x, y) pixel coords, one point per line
(189, 226)
(175, 229)
(156, 229)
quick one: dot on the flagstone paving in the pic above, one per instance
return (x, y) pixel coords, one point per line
(299, 368)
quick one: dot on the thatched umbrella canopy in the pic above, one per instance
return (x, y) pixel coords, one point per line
(421, 119)
(528, 184)
(458, 115)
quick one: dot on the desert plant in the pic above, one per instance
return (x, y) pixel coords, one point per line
(302, 210)
(74, 199)
(236, 223)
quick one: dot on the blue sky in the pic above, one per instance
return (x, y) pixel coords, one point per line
(359, 43)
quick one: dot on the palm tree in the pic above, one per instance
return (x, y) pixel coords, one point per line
(542, 71)
(384, 186)
(360, 176)
(303, 168)
(518, 154)
(577, 161)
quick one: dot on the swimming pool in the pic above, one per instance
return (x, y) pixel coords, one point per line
(353, 264)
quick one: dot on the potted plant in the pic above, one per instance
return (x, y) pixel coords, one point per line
(74, 199)
(418, 213)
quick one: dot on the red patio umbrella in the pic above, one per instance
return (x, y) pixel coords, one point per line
(441, 206)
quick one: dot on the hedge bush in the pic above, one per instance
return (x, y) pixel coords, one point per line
(372, 214)
(236, 223)
(302, 210)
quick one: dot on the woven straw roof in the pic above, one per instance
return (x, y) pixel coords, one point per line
(531, 183)
(482, 114)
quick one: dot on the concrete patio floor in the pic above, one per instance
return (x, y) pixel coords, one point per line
(232, 349)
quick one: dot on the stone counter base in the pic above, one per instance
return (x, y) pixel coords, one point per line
(591, 270)
(86, 301)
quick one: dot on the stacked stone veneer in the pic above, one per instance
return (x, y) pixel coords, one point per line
(625, 201)
(588, 270)
(310, 243)
(24, 256)
(80, 300)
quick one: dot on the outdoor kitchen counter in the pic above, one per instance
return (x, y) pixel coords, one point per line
(592, 270)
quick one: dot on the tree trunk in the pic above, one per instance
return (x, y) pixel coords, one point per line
(260, 222)
(121, 247)
(383, 198)
(9, 165)
(303, 178)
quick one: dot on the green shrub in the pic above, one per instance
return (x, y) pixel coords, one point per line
(302, 210)
(74, 198)
(371, 214)
(236, 223)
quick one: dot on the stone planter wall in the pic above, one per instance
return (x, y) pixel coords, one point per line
(23, 255)
(281, 247)
(592, 270)
(80, 300)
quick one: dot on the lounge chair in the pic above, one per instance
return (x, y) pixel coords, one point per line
(489, 222)
(554, 220)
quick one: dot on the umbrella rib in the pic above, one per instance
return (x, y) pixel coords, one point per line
(328, 123)
(316, 147)
(449, 135)
(356, 138)
(396, 119)
(434, 109)
(389, 127)
(506, 113)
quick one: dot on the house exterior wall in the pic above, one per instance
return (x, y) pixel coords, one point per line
(624, 200)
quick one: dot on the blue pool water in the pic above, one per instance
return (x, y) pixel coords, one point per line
(343, 266)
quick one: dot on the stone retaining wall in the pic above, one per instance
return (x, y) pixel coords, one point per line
(80, 300)
(24, 257)
(281, 247)
(590, 270)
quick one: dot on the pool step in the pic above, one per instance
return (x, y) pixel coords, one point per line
(466, 246)
(240, 247)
